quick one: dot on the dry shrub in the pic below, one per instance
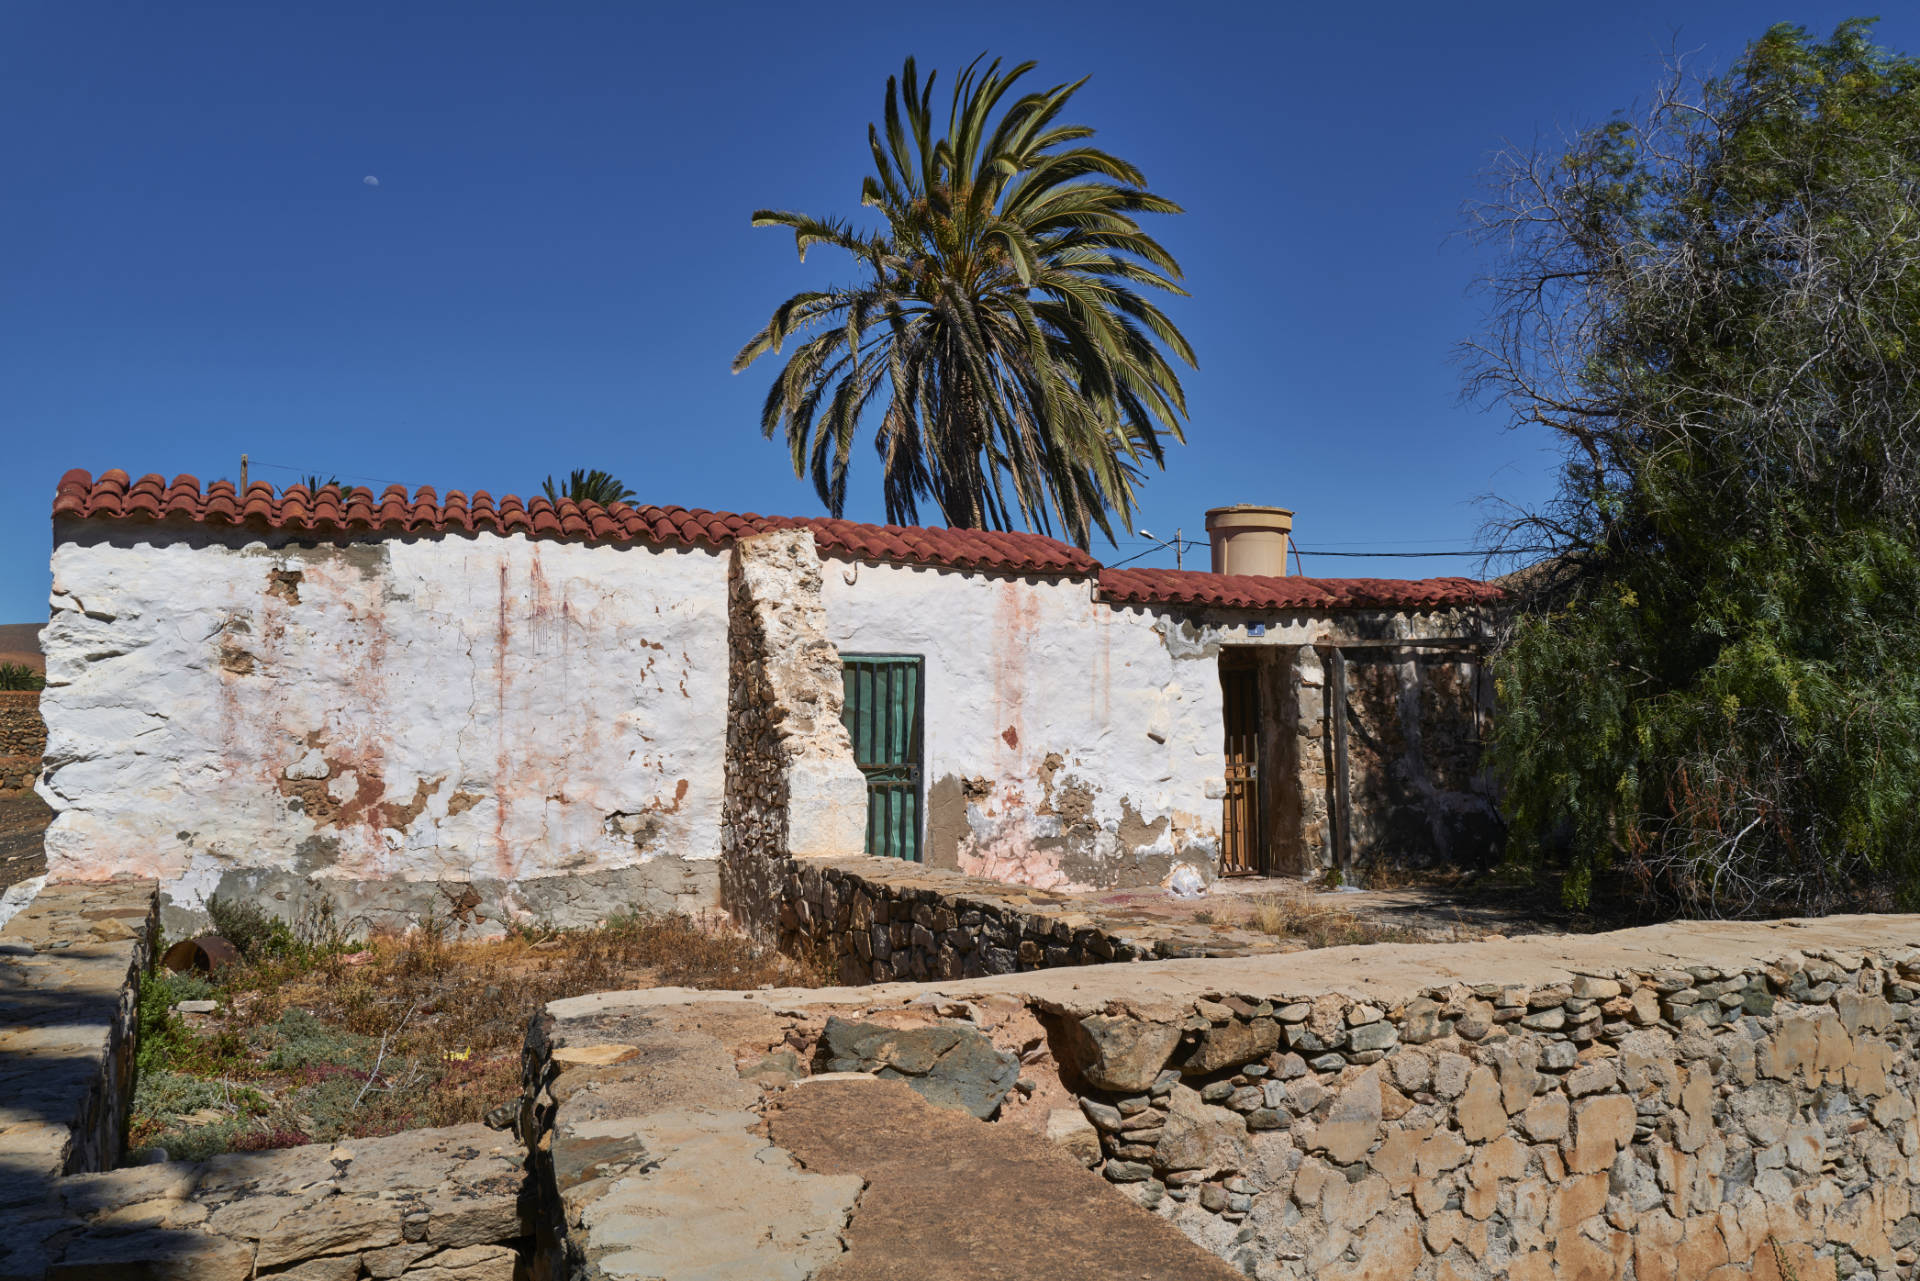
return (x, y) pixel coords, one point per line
(426, 1029)
(1317, 923)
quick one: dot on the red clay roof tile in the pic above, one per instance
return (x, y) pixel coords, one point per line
(115, 496)
(1255, 591)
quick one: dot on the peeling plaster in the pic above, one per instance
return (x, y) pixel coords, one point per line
(470, 707)
(1068, 743)
(491, 708)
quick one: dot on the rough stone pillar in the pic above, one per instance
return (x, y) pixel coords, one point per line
(1313, 833)
(793, 789)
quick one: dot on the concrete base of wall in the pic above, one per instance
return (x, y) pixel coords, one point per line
(480, 908)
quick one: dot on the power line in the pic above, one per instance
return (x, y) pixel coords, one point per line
(1320, 551)
(328, 471)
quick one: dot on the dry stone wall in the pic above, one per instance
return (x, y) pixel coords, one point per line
(876, 920)
(1672, 1124)
(70, 962)
(792, 788)
(23, 741)
(428, 1205)
(1417, 783)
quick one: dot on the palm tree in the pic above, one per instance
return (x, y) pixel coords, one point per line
(996, 319)
(593, 486)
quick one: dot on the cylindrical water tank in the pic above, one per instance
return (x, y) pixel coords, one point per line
(1249, 539)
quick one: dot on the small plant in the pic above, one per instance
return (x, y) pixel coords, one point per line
(20, 676)
(318, 929)
(164, 1093)
(160, 1028)
(254, 933)
(303, 1041)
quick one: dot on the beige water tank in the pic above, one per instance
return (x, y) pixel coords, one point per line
(1249, 539)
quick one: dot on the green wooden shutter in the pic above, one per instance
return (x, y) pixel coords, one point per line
(883, 714)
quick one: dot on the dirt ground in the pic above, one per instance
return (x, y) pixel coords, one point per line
(1304, 914)
(1029, 1211)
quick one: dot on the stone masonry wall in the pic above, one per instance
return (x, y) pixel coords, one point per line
(792, 788)
(23, 740)
(432, 1205)
(876, 920)
(70, 962)
(1673, 1124)
(1419, 792)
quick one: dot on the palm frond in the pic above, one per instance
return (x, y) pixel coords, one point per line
(998, 341)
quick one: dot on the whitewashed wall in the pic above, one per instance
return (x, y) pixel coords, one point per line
(427, 709)
(1070, 743)
(499, 710)
(1020, 672)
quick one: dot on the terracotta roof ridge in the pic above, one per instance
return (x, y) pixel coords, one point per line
(1257, 591)
(114, 495)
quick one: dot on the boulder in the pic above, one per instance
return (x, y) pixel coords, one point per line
(951, 1065)
(1199, 1137)
(1121, 1053)
(1074, 1134)
(1230, 1045)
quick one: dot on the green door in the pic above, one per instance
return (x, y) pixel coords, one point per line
(883, 715)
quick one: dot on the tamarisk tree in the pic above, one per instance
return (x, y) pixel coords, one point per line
(1713, 683)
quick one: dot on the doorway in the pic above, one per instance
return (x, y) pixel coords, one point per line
(1261, 830)
(885, 694)
(1241, 845)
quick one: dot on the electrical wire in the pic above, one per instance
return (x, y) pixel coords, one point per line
(328, 471)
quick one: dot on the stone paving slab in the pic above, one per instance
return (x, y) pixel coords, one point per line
(653, 1161)
(950, 1199)
(435, 1205)
(647, 1153)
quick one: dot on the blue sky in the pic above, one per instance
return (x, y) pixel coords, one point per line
(556, 268)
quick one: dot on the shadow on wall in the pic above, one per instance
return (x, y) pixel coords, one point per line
(1421, 794)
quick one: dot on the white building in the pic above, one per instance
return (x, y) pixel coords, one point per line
(354, 690)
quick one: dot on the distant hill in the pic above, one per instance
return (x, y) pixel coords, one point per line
(20, 643)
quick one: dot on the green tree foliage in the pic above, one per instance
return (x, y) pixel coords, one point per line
(1714, 685)
(593, 486)
(996, 327)
(315, 483)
